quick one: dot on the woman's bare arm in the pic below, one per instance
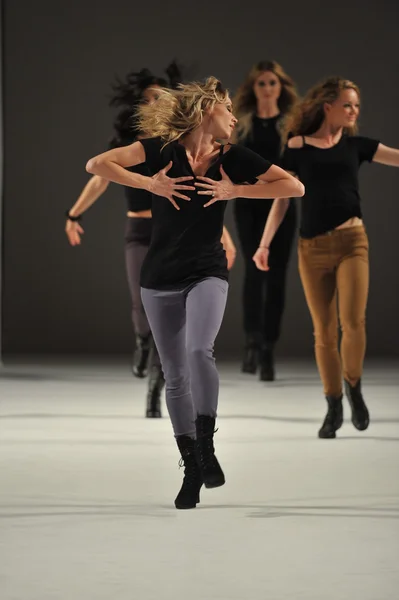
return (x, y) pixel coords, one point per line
(386, 156)
(274, 220)
(112, 165)
(276, 183)
(92, 191)
(279, 184)
(229, 247)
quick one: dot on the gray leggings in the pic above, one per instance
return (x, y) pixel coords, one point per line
(137, 242)
(184, 324)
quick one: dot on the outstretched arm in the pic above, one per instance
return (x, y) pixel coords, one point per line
(387, 156)
(92, 191)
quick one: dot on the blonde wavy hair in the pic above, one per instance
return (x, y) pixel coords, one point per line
(178, 112)
(245, 103)
(309, 114)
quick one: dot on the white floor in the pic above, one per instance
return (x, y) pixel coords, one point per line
(87, 487)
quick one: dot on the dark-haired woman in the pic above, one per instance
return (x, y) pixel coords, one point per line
(136, 89)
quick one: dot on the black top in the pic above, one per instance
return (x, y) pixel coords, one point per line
(185, 245)
(265, 138)
(137, 200)
(330, 177)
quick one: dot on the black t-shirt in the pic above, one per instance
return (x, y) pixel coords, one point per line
(137, 200)
(265, 138)
(185, 244)
(331, 180)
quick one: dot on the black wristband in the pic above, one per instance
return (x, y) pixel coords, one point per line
(71, 218)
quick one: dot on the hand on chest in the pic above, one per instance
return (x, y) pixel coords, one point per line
(187, 168)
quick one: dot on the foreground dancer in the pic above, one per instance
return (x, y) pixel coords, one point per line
(262, 104)
(333, 246)
(184, 275)
(128, 95)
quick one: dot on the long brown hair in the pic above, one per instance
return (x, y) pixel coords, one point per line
(308, 116)
(245, 103)
(180, 111)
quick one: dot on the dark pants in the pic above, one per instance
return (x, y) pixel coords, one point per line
(137, 242)
(264, 291)
(185, 324)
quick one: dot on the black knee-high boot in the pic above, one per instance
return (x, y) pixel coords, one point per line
(188, 496)
(212, 473)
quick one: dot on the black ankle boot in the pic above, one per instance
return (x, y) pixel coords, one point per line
(334, 417)
(188, 496)
(251, 354)
(156, 383)
(212, 473)
(360, 413)
(141, 355)
(267, 372)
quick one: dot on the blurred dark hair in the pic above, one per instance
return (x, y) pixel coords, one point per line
(128, 95)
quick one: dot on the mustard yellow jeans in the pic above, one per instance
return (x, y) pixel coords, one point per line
(334, 270)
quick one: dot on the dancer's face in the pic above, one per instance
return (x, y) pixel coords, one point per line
(151, 94)
(344, 111)
(221, 120)
(267, 87)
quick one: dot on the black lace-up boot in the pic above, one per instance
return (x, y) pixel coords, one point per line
(334, 417)
(360, 413)
(141, 355)
(188, 496)
(156, 383)
(212, 473)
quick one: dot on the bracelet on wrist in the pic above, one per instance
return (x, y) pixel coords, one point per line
(264, 247)
(72, 218)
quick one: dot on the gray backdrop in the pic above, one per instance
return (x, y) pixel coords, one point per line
(59, 61)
